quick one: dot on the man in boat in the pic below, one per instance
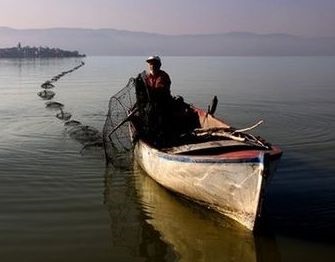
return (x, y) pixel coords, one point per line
(153, 101)
(157, 81)
(162, 116)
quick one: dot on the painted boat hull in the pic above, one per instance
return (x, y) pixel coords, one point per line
(231, 184)
(179, 225)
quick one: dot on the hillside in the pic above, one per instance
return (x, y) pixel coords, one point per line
(117, 42)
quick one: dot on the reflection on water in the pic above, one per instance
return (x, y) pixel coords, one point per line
(134, 238)
(150, 222)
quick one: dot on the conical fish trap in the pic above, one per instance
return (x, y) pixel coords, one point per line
(116, 137)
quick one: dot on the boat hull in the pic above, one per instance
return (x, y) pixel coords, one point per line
(231, 184)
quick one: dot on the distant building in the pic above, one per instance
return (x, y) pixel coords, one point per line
(34, 52)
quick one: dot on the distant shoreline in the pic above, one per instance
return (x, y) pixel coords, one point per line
(111, 42)
(37, 52)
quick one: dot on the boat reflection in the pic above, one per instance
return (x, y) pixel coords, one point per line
(133, 239)
(155, 224)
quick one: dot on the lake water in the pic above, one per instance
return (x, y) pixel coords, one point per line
(58, 201)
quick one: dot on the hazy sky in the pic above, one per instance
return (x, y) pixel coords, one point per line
(302, 17)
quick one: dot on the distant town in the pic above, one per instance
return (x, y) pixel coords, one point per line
(36, 52)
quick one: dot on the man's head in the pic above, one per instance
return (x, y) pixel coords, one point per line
(154, 63)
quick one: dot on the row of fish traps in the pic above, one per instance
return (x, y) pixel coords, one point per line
(47, 94)
(86, 135)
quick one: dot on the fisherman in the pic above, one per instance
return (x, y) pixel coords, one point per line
(154, 101)
(163, 118)
(157, 81)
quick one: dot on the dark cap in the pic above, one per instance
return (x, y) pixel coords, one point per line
(155, 58)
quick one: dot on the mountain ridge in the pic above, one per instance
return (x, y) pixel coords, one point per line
(109, 41)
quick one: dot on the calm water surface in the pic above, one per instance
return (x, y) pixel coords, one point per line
(58, 201)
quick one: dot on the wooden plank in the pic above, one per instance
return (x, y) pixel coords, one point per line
(205, 145)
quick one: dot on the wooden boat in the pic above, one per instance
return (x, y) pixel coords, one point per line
(179, 223)
(206, 160)
(227, 172)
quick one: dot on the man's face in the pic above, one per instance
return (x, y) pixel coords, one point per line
(153, 66)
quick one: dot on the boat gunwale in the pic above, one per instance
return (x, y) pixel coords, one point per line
(225, 158)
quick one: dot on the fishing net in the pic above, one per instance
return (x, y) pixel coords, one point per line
(116, 137)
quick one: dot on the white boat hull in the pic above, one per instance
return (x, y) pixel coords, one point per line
(231, 187)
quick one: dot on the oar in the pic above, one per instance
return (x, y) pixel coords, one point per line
(123, 121)
(220, 132)
(249, 128)
(234, 134)
(225, 129)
